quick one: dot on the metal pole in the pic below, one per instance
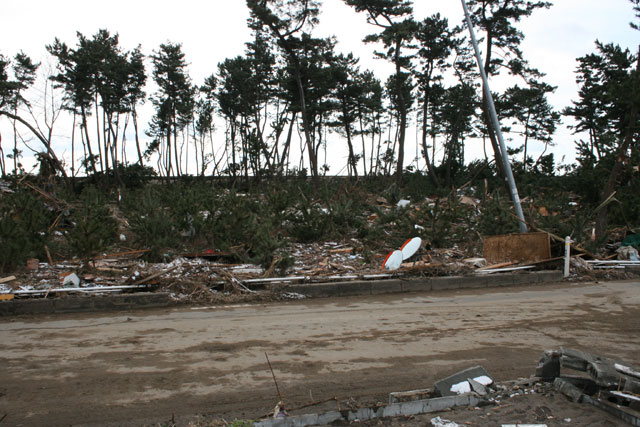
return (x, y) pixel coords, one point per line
(496, 124)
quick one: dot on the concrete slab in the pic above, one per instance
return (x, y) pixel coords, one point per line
(404, 409)
(443, 387)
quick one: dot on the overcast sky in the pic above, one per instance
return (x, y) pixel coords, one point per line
(211, 31)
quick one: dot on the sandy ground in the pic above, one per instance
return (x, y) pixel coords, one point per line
(143, 367)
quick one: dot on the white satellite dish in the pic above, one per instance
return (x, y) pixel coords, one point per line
(393, 260)
(410, 247)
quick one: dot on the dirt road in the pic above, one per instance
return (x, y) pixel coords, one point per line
(139, 368)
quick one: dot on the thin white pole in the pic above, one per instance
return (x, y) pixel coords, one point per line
(567, 255)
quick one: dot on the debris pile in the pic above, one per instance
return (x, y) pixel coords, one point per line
(611, 385)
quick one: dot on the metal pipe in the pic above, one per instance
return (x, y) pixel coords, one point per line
(496, 124)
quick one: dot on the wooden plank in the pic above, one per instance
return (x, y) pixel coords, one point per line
(7, 279)
(6, 297)
(520, 247)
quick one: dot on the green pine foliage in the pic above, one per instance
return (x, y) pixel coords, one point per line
(24, 220)
(94, 227)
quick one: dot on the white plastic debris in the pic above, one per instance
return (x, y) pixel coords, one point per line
(464, 386)
(476, 262)
(441, 422)
(403, 203)
(123, 238)
(393, 260)
(461, 387)
(72, 280)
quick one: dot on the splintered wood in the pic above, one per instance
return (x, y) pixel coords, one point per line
(515, 248)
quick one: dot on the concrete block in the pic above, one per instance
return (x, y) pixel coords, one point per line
(329, 417)
(479, 388)
(386, 287)
(568, 389)
(362, 414)
(524, 279)
(474, 282)
(447, 283)
(426, 406)
(417, 285)
(548, 366)
(409, 396)
(443, 387)
(365, 414)
(500, 280)
(548, 276)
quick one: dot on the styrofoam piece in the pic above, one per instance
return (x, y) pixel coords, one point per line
(72, 281)
(393, 260)
(410, 247)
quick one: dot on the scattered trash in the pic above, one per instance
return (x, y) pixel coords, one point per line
(628, 253)
(292, 295)
(458, 383)
(475, 262)
(403, 203)
(474, 384)
(279, 411)
(524, 425)
(611, 386)
(7, 279)
(33, 263)
(440, 422)
(71, 281)
(466, 200)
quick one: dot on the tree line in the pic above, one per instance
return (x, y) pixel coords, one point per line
(291, 87)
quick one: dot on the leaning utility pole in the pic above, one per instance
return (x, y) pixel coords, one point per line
(496, 124)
